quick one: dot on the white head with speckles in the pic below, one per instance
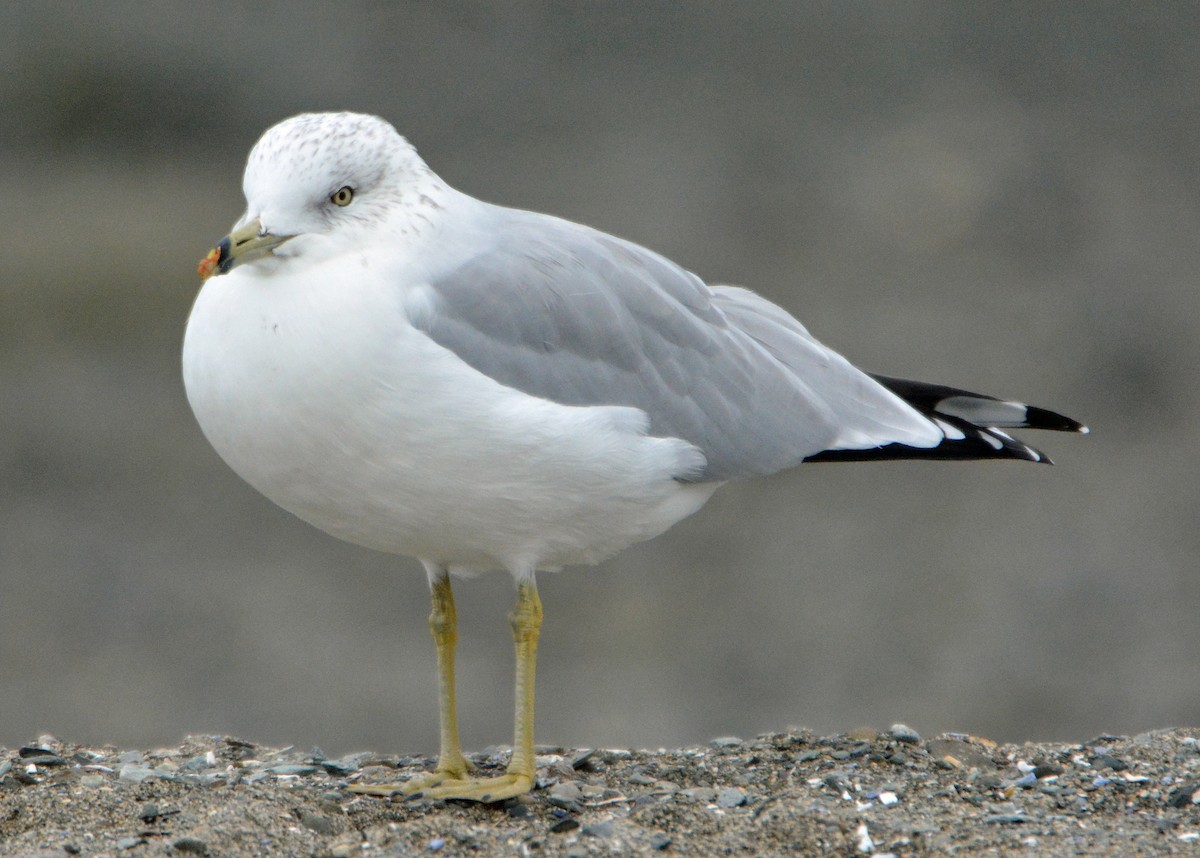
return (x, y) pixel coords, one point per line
(319, 175)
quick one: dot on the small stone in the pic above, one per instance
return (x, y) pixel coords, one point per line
(564, 825)
(1110, 762)
(436, 843)
(92, 781)
(837, 782)
(602, 829)
(727, 742)
(134, 774)
(1184, 795)
(704, 795)
(860, 748)
(149, 812)
(957, 754)
(191, 845)
(517, 809)
(40, 757)
(731, 797)
(317, 822)
(1028, 781)
(130, 842)
(292, 769)
(567, 795)
(660, 842)
(863, 840)
(904, 733)
(582, 759)
(613, 755)
(1005, 818)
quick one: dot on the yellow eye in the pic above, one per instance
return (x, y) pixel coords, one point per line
(342, 196)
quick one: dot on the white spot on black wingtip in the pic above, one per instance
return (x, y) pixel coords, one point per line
(953, 433)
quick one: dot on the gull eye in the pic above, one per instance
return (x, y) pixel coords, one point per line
(342, 196)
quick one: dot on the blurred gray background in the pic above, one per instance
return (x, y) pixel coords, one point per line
(1003, 197)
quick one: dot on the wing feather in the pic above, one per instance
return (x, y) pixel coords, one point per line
(570, 314)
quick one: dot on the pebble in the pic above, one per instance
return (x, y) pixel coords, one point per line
(1110, 762)
(1005, 818)
(1184, 795)
(135, 774)
(956, 754)
(700, 794)
(904, 733)
(317, 822)
(582, 759)
(40, 757)
(200, 763)
(192, 845)
(603, 828)
(92, 781)
(731, 797)
(659, 842)
(292, 769)
(564, 825)
(566, 795)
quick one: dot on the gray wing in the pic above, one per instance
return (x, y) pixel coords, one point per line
(570, 314)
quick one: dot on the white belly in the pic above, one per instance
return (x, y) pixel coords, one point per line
(336, 409)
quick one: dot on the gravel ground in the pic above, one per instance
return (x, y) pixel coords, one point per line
(859, 793)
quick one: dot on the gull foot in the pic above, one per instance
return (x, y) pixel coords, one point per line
(442, 785)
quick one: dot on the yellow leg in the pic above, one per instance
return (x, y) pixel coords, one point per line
(450, 779)
(451, 764)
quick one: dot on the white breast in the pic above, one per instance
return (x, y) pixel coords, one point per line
(322, 396)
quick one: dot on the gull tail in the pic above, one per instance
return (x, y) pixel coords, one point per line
(973, 425)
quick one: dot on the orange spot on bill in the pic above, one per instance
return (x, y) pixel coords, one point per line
(208, 265)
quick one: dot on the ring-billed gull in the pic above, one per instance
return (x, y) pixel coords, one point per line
(414, 370)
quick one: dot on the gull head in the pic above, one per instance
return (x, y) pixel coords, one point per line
(316, 183)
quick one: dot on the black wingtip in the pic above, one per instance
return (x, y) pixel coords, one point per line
(1044, 418)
